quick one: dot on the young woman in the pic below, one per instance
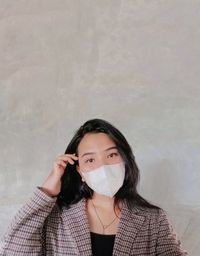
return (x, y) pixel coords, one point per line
(89, 204)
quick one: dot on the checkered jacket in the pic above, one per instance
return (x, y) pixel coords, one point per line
(41, 228)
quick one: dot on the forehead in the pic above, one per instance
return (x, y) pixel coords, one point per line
(95, 141)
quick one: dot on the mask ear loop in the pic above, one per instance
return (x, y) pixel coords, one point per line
(85, 187)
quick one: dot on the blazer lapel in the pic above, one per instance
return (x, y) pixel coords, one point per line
(76, 219)
(129, 225)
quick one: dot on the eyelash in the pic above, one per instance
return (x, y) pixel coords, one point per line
(86, 161)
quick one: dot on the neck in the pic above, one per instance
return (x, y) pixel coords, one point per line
(101, 200)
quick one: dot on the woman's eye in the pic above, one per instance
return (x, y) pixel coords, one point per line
(113, 154)
(89, 160)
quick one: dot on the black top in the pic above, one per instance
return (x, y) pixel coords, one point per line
(102, 244)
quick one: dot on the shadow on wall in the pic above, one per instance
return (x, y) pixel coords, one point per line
(161, 184)
(186, 221)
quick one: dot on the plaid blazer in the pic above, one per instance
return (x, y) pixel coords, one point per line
(40, 228)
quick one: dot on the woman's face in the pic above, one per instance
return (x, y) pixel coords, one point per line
(95, 150)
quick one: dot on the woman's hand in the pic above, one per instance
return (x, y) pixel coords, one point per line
(52, 185)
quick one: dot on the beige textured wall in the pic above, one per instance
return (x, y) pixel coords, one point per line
(134, 63)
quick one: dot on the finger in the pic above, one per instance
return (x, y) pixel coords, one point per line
(60, 162)
(69, 160)
(67, 157)
(73, 156)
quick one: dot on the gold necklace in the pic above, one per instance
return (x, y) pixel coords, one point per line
(103, 226)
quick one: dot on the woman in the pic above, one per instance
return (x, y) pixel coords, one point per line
(89, 204)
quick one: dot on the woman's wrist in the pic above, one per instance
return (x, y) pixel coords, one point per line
(46, 191)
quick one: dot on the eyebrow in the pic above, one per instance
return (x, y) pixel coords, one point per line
(91, 153)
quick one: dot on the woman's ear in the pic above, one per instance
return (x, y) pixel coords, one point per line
(78, 170)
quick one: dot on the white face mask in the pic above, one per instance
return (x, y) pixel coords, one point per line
(107, 179)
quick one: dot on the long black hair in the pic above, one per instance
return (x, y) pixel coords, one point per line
(73, 189)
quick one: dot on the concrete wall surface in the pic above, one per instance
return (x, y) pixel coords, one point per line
(134, 63)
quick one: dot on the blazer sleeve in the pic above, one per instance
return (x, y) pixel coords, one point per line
(24, 235)
(168, 242)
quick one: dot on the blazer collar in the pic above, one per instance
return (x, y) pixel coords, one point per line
(130, 223)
